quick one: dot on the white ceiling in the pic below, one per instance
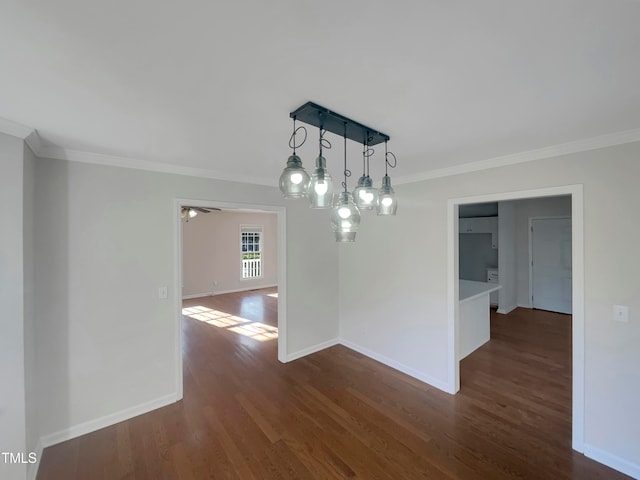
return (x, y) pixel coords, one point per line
(208, 85)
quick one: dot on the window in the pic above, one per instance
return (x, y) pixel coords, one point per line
(251, 251)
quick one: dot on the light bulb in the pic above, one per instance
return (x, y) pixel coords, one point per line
(296, 178)
(321, 188)
(344, 212)
(192, 213)
(387, 201)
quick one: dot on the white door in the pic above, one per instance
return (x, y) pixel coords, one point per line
(551, 264)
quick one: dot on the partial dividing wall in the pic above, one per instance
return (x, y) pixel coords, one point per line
(211, 262)
(393, 283)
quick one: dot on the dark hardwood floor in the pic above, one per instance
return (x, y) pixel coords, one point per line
(338, 414)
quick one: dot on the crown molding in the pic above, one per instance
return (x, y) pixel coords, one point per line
(138, 164)
(593, 143)
(33, 140)
(15, 129)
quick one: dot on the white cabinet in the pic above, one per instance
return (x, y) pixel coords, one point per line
(481, 225)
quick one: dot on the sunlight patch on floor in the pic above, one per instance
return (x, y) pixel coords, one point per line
(242, 326)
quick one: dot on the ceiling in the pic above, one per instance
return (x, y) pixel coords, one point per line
(206, 86)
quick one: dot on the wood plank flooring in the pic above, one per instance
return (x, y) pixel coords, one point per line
(338, 414)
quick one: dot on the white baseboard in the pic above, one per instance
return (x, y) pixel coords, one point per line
(524, 305)
(613, 461)
(505, 311)
(222, 292)
(197, 295)
(313, 349)
(439, 384)
(373, 355)
(106, 421)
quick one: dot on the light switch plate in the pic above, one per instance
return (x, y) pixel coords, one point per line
(162, 292)
(621, 313)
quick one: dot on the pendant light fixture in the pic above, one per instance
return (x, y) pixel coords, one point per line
(387, 204)
(345, 211)
(365, 195)
(345, 215)
(294, 181)
(321, 186)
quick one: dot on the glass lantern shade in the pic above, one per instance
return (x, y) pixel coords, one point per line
(345, 218)
(320, 190)
(387, 203)
(294, 180)
(364, 195)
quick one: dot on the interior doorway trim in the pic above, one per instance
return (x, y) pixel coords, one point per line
(177, 287)
(577, 245)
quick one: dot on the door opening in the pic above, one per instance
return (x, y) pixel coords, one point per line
(577, 289)
(280, 265)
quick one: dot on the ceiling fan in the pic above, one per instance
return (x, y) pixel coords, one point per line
(187, 212)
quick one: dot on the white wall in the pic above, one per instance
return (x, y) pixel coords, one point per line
(12, 306)
(476, 255)
(211, 252)
(30, 326)
(526, 209)
(105, 242)
(507, 259)
(394, 303)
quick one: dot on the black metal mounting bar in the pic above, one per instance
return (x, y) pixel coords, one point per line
(317, 115)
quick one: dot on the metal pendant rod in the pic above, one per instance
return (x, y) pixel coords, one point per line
(319, 116)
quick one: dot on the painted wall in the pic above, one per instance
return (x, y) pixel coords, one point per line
(507, 261)
(476, 255)
(526, 209)
(105, 243)
(12, 306)
(211, 252)
(30, 326)
(393, 303)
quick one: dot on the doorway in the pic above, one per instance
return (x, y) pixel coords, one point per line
(178, 269)
(577, 274)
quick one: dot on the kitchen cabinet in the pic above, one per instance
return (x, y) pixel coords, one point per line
(480, 225)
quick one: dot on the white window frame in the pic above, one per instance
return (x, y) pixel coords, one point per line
(251, 269)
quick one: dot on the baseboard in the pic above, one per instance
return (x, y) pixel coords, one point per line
(439, 384)
(313, 349)
(197, 295)
(613, 461)
(524, 305)
(505, 311)
(106, 421)
(223, 292)
(373, 355)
